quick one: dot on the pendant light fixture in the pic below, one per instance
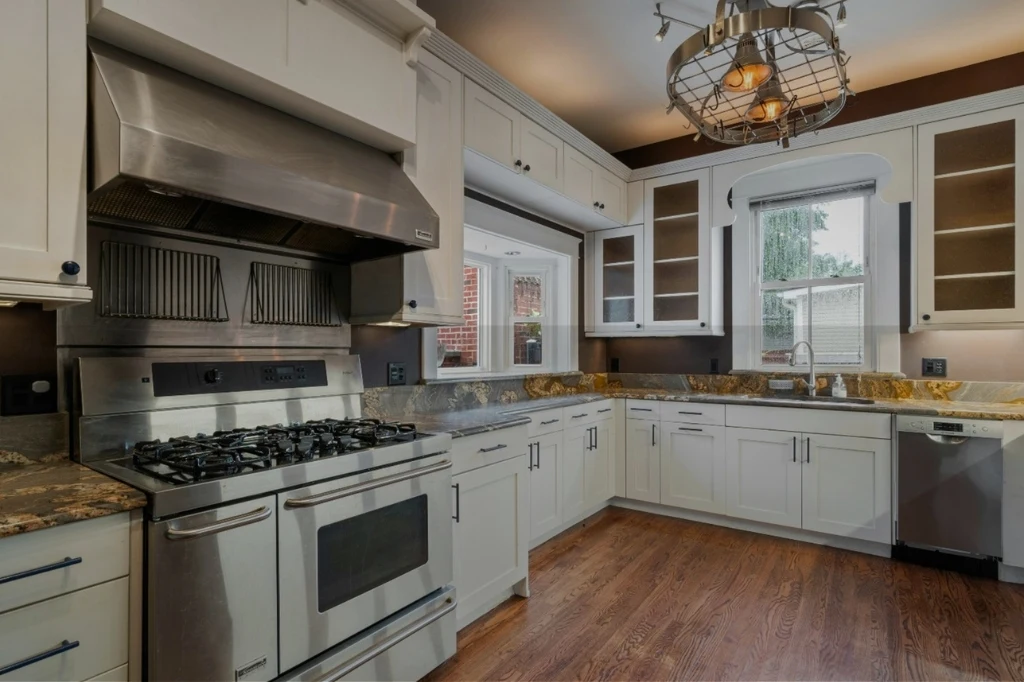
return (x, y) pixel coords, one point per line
(734, 93)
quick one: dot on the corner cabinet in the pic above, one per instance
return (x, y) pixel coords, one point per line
(424, 288)
(970, 252)
(42, 140)
(663, 278)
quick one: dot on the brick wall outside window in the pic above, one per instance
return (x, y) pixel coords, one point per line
(463, 343)
(527, 301)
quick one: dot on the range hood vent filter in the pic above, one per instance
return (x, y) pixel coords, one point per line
(280, 294)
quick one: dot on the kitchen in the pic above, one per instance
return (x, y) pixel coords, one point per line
(352, 340)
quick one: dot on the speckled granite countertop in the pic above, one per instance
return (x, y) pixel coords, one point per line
(58, 491)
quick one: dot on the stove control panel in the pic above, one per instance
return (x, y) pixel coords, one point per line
(192, 378)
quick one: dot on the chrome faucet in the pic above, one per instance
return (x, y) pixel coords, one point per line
(812, 381)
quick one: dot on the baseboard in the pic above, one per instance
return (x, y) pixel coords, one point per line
(851, 544)
(466, 619)
(1011, 574)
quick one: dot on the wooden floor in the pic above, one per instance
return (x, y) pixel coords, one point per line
(631, 596)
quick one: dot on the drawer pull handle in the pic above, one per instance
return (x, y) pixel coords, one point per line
(68, 561)
(61, 648)
(500, 446)
(608, 409)
(227, 524)
(693, 414)
(360, 488)
(549, 422)
(641, 409)
(685, 428)
(579, 416)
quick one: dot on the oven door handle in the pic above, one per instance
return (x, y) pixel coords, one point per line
(227, 524)
(330, 496)
(379, 648)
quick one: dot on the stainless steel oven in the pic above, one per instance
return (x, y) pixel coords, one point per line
(354, 551)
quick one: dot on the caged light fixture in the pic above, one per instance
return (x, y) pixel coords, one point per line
(759, 72)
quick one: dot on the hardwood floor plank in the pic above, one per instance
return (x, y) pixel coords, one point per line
(632, 596)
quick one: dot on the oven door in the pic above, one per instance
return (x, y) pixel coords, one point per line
(353, 551)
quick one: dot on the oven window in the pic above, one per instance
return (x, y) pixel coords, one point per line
(359, 554)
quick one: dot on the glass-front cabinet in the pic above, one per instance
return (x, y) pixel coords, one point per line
(657, 278)
(971, 248)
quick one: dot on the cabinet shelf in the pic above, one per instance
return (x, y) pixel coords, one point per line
(677, 260)
(619, 264)
(619, 298)
(677, 295)
(979, 228)
(977, 275)
(681, 216)
(975, 171)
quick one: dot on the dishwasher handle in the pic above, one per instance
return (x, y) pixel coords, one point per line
(943, 439)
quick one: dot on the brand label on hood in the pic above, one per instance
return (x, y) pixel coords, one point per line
(424, 235)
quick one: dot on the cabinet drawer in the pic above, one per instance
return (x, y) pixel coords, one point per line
(693, 413)
(827, 422)
(93, 623)
(547, 421)
(648, 410)
(473, 452)
(588, 413)
(48, 563)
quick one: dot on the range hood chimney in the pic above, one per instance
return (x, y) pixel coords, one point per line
(171, 151)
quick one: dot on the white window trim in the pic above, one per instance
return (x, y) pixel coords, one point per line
(868, 360)
(882, 312)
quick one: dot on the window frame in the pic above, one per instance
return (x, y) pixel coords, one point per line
(809, 198)
(483, 320)
(548, 337)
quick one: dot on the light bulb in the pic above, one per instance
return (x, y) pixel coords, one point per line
(662, 32)
(841, 16)
(769, 105)
(748, 71)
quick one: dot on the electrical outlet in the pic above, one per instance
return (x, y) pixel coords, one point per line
(396, 374)
(714, 365)
(613, 365)
(933, 367)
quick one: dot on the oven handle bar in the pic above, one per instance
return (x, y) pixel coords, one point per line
(227, 524)
(331, 495)
(379, 648)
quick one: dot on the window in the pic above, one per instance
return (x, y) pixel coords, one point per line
(463, 347)
(813, 278)
(528, 319)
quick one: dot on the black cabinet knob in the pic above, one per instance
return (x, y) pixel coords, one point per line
(519, 163)
(70, 267)
(413, 303)
(213, 376)
(602, 207)
(926, 317)
(638, 325)
(702, 324)
(597, 204)
(526, 168)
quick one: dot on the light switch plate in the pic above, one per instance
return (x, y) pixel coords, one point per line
(396, 374)
(933, 367)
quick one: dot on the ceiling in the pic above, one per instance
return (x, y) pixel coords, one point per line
(596, 64)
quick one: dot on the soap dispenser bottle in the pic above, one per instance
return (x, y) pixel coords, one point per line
(838, 387)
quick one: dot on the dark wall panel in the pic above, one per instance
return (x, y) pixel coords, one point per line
(377, 346)
(28, 340)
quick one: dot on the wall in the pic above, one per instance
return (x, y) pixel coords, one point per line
(28, 340)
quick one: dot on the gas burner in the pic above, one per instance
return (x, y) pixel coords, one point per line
(190, 459)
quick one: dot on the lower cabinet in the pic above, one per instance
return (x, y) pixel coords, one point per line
(598, 465)
(545, 455)
(576, 444)
(643, 460)
(693, 467)
(763, 472)
(491, 518)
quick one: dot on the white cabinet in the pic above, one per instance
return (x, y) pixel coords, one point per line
(618, 280)
(491, 518)
(42, 142)
(425, 288)
(576, 442)
(327, 62)
(847, 487)
(599, 462)
(970, 255)
(545, 464)
(643, 460)
(763, 476)
(593, 185)
(610, 193)
(693, 467)
(588, 464)
(543, 155)
(493, 127)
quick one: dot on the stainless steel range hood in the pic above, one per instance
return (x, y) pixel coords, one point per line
(171, 151)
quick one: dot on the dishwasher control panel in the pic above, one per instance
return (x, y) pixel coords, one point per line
(971, 428)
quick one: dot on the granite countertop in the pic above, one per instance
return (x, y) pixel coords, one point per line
(57, 491)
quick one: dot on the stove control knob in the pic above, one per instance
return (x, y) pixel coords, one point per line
(213, 376)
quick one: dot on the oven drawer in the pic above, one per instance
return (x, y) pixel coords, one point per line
(545, 421)
(72, 637)
(357, 550)
(693, 413)
(473, 452)
(48, 563)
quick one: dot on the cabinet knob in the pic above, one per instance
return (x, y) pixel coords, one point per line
(526, 168)
(413, 303)
(703, 324)
(519, 163)
(70, 267)
(597, 204)
(638, 325)
(602, 207)
(926, 317)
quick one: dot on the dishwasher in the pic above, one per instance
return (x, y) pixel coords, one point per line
(950, 490)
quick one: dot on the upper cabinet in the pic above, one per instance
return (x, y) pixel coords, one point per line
(327, 62)
(493, 127)
(42, 142)
(970, 242)
(426, 287)
(662, 278)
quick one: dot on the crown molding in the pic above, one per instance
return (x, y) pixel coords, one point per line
(458, 57)
(871, 126)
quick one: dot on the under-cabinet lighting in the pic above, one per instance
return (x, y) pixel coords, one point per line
(390, 324)
(8, 304)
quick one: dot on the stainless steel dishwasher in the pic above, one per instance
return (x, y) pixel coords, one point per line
(950, 485)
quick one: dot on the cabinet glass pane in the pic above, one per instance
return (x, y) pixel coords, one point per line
(975, 293)
(974, 148)
(676, 200)
(618, 271)
(675, 308)
(619, 310)
(680, 277)
(618, 281)
(974, 200)
(980, 251)
(676, 238)
(617, 250)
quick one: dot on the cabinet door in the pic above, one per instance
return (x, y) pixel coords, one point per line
(545, 484)
(493, 127)
(677, 252)
(643, 460)
(693, 467)
(490, 529)
(543, 155)
(42, 140)
(598, 470)
(580, 177)
(610, 193)
(576, 441)
(847, 487)
(618, 279)
(763, 476)
(971, 244)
